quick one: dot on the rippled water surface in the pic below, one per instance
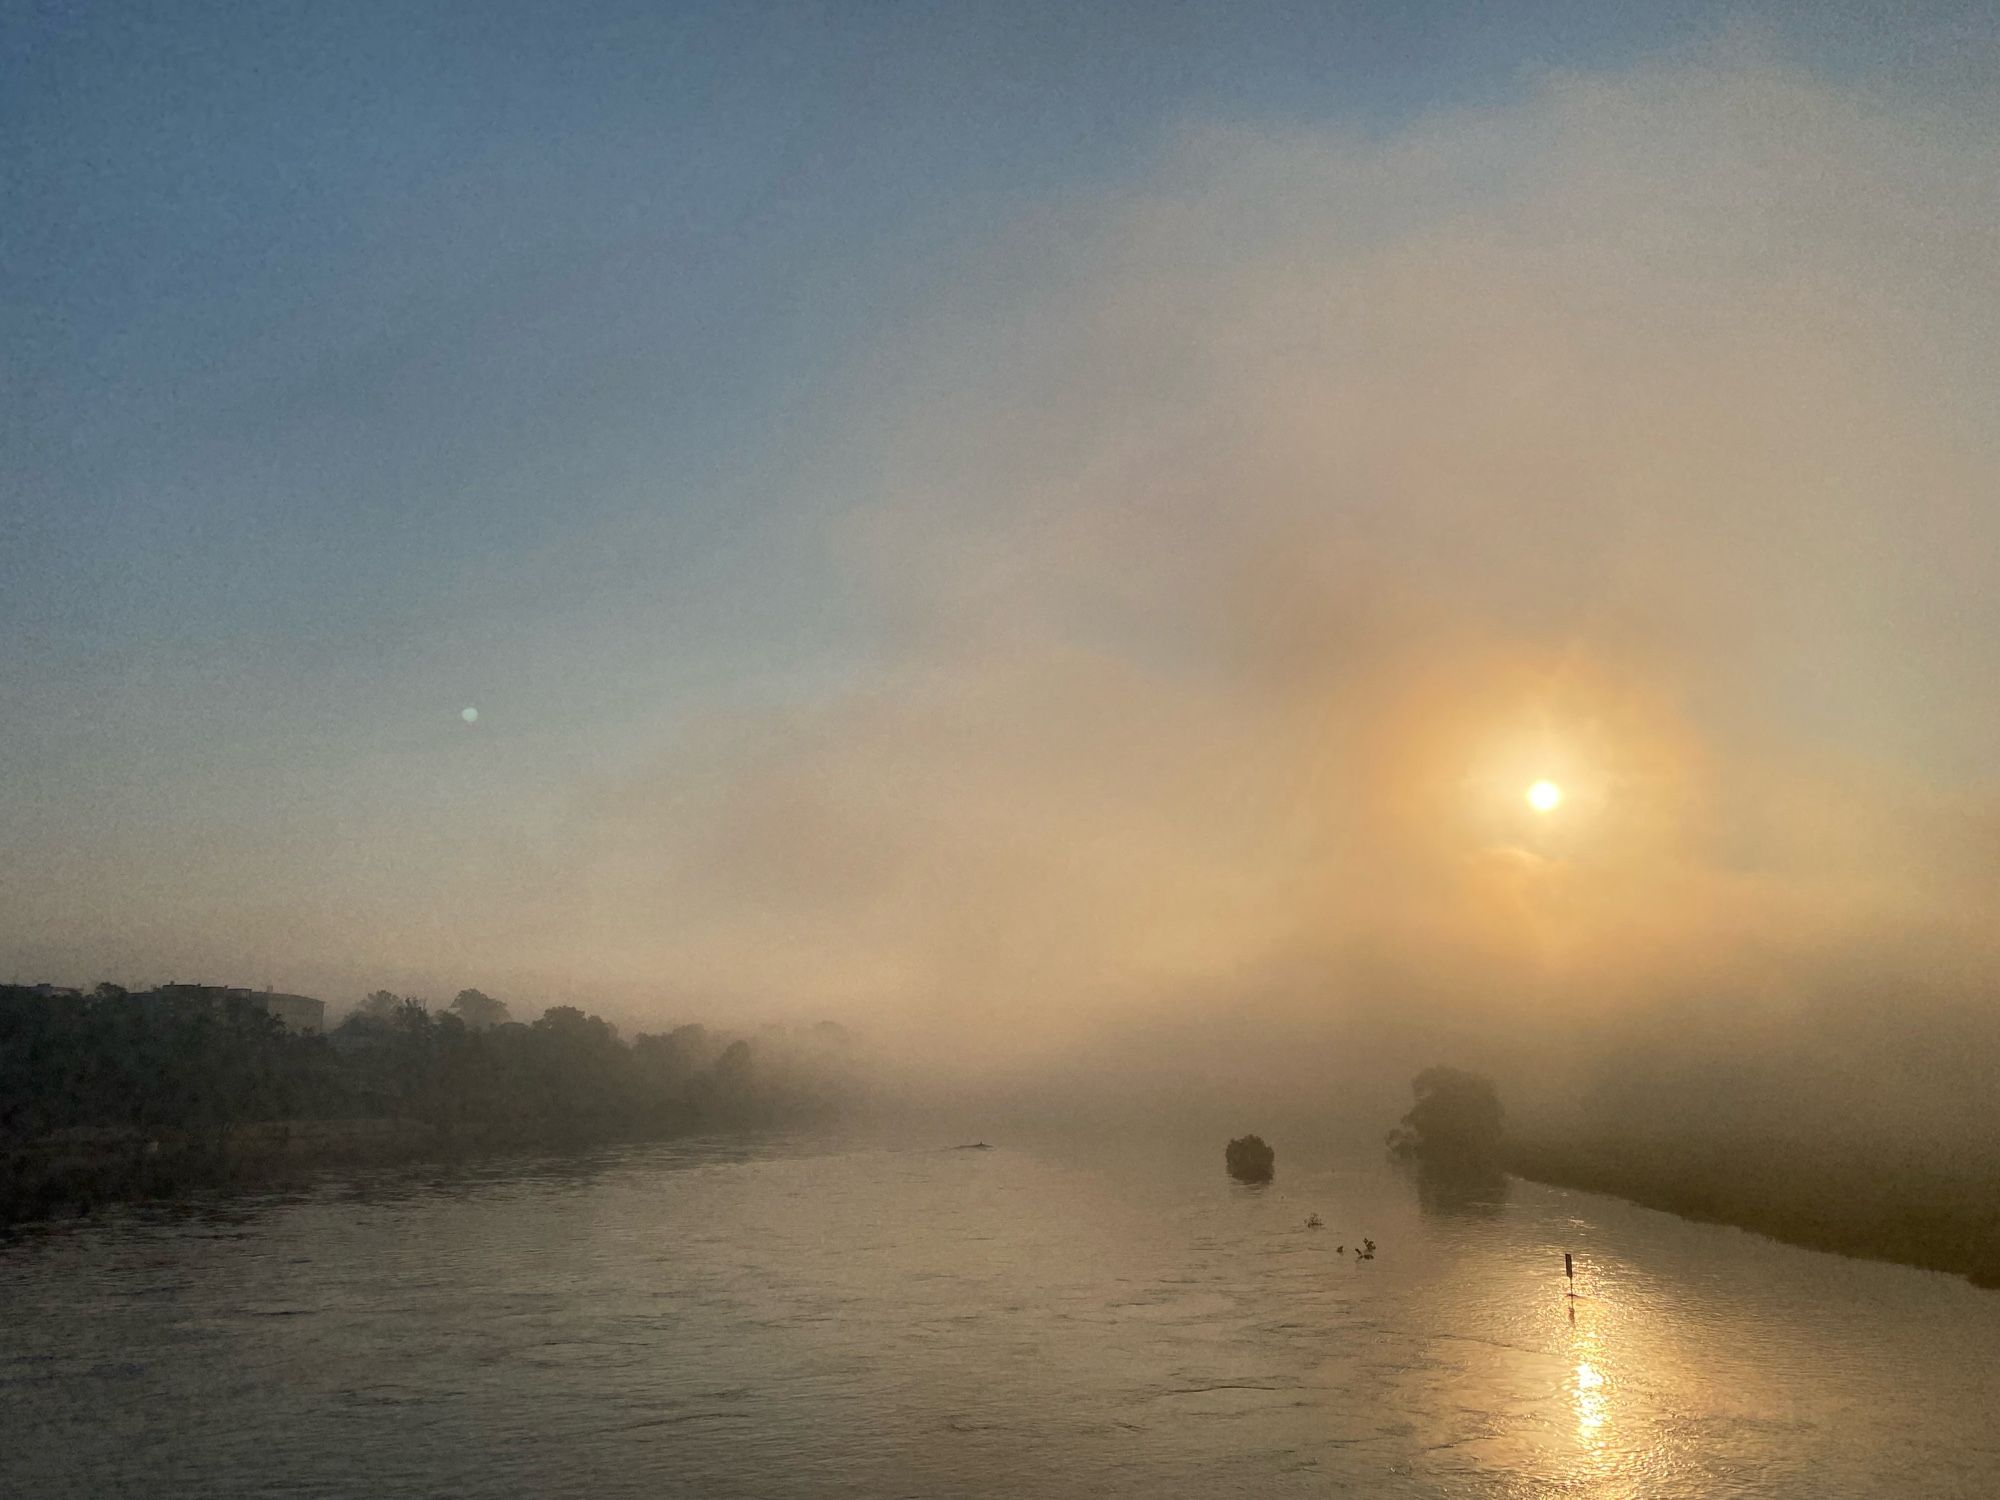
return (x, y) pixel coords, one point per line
(798, 1317)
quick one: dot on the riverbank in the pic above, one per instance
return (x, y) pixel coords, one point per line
(1918, 1213)
(73, 1173)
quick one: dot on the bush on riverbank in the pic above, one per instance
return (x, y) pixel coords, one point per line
(1249, 1159)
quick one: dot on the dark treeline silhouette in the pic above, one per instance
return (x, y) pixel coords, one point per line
(148, 1064)
(570, 1071)
(106, 1092)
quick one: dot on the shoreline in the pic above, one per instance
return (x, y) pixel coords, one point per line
(72, 1177)
(1933, 1221)
(1930, 1221)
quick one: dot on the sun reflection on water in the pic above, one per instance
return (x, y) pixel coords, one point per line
(1592, 1404)
(1589, 1390)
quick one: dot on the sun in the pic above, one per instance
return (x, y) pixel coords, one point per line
(1544, 796)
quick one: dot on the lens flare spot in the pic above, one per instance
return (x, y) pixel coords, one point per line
(470, 715)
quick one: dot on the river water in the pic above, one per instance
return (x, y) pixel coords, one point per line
(796, 1317)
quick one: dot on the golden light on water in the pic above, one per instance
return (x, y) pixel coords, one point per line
(1590, 1402)
(1544, 796)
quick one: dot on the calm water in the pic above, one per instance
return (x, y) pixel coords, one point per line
(800, 1318)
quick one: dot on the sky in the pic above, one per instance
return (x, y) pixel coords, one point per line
(1007, 521)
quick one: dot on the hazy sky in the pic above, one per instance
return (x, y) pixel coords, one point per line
(1014, 515)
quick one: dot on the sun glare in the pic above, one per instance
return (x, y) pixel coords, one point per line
(1544, 795)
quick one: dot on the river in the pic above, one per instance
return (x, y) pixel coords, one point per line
(811, 1317)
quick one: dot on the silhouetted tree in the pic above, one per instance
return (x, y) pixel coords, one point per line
(729, 1089)
(670, 1060)
(1455, 1122)
(1249, 1159)
(583, 1071)
(479, 1010)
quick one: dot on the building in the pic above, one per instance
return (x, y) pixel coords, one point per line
(299, 1013)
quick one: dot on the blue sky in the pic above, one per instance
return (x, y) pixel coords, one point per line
(364, 362)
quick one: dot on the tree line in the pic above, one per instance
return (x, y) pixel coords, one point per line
(194, 1067)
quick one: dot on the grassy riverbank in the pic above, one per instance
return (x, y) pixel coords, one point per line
(1938, 1215)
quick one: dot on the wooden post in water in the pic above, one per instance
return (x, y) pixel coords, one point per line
(1569, 1270)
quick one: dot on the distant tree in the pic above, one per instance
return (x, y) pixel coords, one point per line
(379, 1006)
(730, 1090)
(567, 1023)
(479, 1010)
(734, 1073)
(669, 1060)
(694, 1044)
(1249, 1159)
(1456, 1121)
(583, 1071)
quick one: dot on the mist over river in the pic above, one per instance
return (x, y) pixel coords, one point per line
(812, 1316)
